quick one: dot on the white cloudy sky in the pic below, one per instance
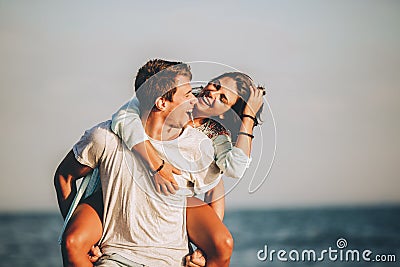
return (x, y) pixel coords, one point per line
(331, 69)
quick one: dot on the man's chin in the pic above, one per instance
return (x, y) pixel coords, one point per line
(187, 121)
(182, 123)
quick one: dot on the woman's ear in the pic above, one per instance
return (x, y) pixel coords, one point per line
(160, 103)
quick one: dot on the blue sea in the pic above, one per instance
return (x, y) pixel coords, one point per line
(286, 237)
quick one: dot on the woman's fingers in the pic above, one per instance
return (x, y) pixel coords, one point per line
(253, 90)
(255, 100)
(176, 171)
(176, 187)
(157, 186)
(164, 189)
(164, 185)
(195, 260)
(170, 188)
(198, 258)
(94, 254)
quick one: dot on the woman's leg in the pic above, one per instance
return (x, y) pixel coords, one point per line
(83, 231)
(207, 232)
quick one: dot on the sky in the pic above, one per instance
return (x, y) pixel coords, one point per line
(331, 69)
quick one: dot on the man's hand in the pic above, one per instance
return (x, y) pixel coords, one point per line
(164, 180)
(197, 259)
(94, 254)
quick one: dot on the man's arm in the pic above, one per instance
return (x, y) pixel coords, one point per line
(64, 181)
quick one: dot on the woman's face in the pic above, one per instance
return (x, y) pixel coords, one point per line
(217, 97)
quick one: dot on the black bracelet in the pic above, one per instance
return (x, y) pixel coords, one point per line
(251, 117)
(247, 134)
(159, 168)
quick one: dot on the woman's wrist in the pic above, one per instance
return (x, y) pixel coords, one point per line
(250, 117)
(246, 134)
(247, 126)
(249, 122)
(247, 110)
(159, 168)
(153, 159)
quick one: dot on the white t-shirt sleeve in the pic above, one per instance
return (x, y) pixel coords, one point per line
(127, 125)
(90, 148)
(231, 160)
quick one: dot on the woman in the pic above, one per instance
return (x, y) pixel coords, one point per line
(225, 95)
(232, 100)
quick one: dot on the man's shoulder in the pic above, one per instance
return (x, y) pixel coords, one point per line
(100, 128)
(101, 133)
(96, 143)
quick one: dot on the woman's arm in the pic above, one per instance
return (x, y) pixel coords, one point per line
(234, 160)
(163, 179)
(127, 125)
(253, 104)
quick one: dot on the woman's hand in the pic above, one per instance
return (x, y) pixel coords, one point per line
(164, 180)
(255, 101)
(94, 254)
(196, 259)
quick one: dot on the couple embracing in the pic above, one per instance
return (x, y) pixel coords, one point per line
(157, 152)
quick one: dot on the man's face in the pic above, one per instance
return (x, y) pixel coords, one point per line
(182, 104)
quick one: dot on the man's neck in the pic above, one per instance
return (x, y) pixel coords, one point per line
(156, 127)
(198, 118)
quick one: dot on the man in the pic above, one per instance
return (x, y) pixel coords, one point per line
(141, 227)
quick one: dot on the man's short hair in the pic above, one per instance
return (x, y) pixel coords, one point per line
(150, 86)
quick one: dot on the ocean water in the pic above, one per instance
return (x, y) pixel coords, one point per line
(31, 239)
(368, 228)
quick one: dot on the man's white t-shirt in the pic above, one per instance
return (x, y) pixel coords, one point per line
(140, 224)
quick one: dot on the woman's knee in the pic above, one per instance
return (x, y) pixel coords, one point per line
(223, 244)
(74, 243)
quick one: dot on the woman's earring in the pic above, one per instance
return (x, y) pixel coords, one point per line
(221, 116)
